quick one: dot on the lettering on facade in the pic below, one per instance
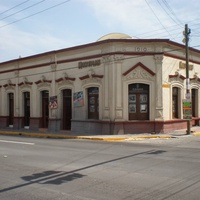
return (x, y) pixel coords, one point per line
(137, 89)
(183, 66)
(91, 63)
(142, 49)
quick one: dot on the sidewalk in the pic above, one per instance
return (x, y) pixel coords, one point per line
(195, 131)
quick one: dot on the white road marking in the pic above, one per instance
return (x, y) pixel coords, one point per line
(15, 142)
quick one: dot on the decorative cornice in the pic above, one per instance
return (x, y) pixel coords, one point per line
(195, 79)
(25, 83)
(9, 84)
(177, 76)
(59, 80)
(97, 76)
(65, 78)
(139, 65)
(84, 77)
(43, 80)
(91, 74)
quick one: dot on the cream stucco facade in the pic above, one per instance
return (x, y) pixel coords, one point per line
(125, 86)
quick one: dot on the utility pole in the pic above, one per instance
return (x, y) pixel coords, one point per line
(188, 96)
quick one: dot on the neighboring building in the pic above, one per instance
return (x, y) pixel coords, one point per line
(117, 85)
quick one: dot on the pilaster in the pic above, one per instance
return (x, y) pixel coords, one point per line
(118, 87)
(158, 87)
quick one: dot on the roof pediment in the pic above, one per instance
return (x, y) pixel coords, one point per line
(139, 65)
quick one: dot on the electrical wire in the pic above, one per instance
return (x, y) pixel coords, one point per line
(167, 13)
(161, 31)
(13, 7)
(56, 5)
(23, 9)
(172, 12)
(157, 17)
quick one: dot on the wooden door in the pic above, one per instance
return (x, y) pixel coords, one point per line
(26, 108)
(138, 102)
(11, 108)
(93, 103)
(67, 109)
(45, 109)
(175, 103)
(194, 102)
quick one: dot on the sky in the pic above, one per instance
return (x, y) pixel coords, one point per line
(29, 27)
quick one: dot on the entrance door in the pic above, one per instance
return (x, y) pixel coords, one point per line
(138, 102)
(175, 103)
(10, 109)
(26, 108)
(67, 109)
(194, 102)
(93, 103)
(45, 108)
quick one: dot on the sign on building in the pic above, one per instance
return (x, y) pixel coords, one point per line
(187, 109)
(53, 102)
(78, 99)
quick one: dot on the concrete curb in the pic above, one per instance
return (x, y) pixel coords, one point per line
(102, 138)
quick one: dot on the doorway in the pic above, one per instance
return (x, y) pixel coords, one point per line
(194, 102)
(175, 97)
(26, 109)
(67, 109)
(93, 103)
(138, 101)
(45, 108)
(10, 109)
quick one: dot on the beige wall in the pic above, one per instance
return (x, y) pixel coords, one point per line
(116, 59)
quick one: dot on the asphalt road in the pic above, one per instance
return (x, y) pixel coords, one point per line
(60, 169)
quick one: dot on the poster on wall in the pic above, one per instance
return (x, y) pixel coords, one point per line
(78, 99)
(187, 109)
(53, 102)
(132, 98)
(132, 108)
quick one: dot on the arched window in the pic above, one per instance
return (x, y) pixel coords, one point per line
(93, 103)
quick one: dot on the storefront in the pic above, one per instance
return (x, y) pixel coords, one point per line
(111, 86)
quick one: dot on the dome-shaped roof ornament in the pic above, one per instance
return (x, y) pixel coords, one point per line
(114, 36)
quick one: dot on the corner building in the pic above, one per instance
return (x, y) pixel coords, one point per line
(116, 85)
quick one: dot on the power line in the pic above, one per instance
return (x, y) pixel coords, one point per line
(157, 18)
(173, 29)
(167, 12)
(35, 13)
(14, 7)
(23, 9)
(172, 12)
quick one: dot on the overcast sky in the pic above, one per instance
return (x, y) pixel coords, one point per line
(29, 27)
